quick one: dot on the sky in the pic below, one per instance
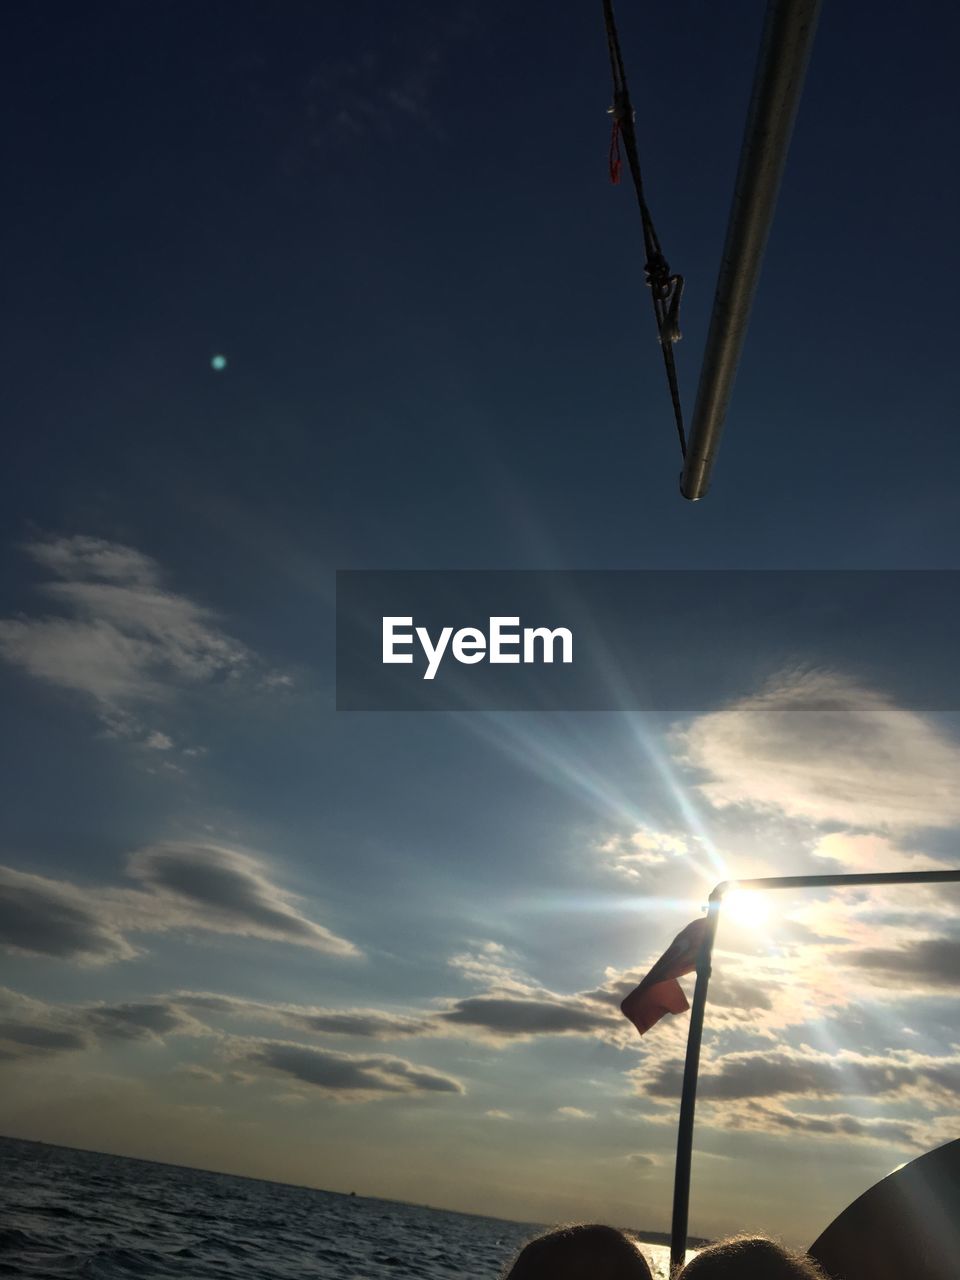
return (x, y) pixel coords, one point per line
(384, 952)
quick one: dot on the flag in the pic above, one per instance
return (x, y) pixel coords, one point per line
(660, 992)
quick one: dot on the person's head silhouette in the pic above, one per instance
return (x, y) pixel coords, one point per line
(586, 1252)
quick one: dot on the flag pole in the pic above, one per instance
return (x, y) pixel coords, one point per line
(691, 1067)
(688, 1096)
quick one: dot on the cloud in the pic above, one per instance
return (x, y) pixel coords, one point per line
(205, 1075)
(632, 856)
(183, 886)
(79, 558)
(746, 992)
(56, 918)
(574, 1113)
(860, 851)
(372, 1024)
(27, 1029)
(226, 891)
(763, 1091)
(920, 1135)
(924, 963)
(821, 748)
(804, 1072)
(350, 1077)
(509, 1017)
(510, 1009)
(31, 1028)
(143, 1020)
(498, 1115)
(370, 99)
(727, 991)
(120, 638)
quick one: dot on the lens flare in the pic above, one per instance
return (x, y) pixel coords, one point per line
(746, 907)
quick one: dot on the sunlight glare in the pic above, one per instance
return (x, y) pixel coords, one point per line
(746, 907)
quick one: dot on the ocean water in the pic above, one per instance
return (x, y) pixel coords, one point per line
(70, 1213)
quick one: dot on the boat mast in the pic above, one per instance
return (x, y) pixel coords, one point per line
(784, 53)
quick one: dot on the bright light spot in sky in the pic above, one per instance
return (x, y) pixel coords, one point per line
(218, 362)
(746, 907)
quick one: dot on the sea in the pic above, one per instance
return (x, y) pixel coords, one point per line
(68, 1213)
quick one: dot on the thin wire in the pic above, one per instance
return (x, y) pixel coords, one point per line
(665, 289)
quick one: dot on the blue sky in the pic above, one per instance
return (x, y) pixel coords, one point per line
(383, 951)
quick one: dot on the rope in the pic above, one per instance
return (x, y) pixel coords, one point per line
(666, 289)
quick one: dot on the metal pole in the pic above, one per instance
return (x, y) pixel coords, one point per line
(691, 1066)
(688, 1096)
(847, 881)
(778, 80)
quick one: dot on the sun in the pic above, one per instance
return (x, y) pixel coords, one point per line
(746, 907)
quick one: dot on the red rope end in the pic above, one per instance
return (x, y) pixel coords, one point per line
(616, 162)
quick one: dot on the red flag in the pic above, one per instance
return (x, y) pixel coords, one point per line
(660, 992)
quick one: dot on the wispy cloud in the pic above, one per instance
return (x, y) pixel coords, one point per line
(889, 1131)
(349, 1077)
(32, 1028)
(508, 1017)
(220, 889)
(29, 1029)
(374, 97)
(574, 1113)
(923, 963)
(632, 855)
(805, 1072)
(364, 1024)
(119, 638)
(758, 1091)
(193, 887)
(55, 918)
(823, 749)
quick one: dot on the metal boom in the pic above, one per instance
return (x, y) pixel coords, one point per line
(784, 53)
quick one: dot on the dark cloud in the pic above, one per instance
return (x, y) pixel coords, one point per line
(32, 1038)
(496, 1016)
(932, 962)
(217, 1004)
(365, 1023)
(229, 891)
(612, 993)
(52, 918)
(730, 992)
(784, 1073)
(350, 1076)
(508, 1016)
(843, 1125)
(30, 1029)
(195, 887)
(146, 1020)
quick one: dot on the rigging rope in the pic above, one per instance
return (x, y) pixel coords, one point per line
(666, 289)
